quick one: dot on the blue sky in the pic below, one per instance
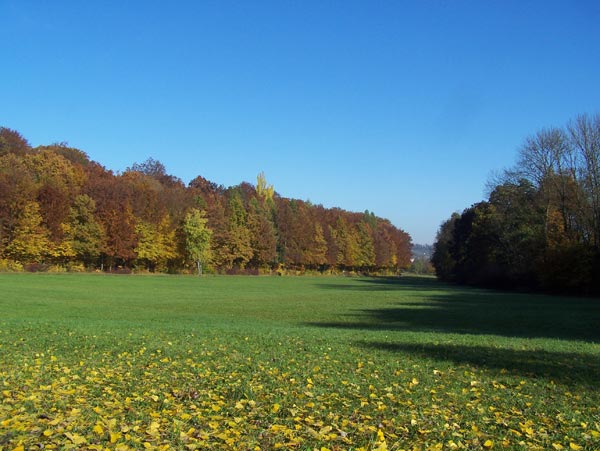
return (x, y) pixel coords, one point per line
(401, 108)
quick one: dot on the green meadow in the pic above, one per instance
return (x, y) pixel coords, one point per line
(105, 362)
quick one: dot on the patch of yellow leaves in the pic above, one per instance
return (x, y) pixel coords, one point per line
(148, 400)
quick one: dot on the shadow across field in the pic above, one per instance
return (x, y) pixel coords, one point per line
(427, 305)
(414, 283)
(561, 367)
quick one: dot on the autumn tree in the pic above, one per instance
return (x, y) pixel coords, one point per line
(75, 156)
(83, 232)
(155, 243)
(383, 247)
(365, 257)
(17, 189)
(316, 255)
(30, 241)
(263, 190)
(263, 240)
(57, 182)
(346, 239)
(114, 212)
(236, 249)
(11, 141)
(197, 238)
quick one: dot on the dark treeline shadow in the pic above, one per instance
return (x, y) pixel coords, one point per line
(560, 367)
(388, 284)
(472, 311)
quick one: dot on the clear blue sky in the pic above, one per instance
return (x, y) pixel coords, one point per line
(402, 108)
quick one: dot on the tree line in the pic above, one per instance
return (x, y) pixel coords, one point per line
(61, 210)
(540, 227)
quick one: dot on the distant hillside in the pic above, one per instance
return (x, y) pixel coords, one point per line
(422, 250)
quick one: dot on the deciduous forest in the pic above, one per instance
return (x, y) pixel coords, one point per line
(540, 227)
(61, 211)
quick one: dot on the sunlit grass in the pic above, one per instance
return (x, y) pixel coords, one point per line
(145, 362)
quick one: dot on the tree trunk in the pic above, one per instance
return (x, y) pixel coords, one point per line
(199, 263)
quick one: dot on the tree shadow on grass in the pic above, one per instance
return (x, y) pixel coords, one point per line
(413, 283)
(435, 307)
(425, 305)
(560, 367)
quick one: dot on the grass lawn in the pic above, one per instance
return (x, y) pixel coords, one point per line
(162, 362)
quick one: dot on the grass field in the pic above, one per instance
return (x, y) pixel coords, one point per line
(161, 362)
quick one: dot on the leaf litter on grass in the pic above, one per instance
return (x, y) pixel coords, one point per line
(239, 385)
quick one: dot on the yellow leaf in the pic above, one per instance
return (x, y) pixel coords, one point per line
(98, 429)
(275, 408)
(557, 446)
(19, 448)
(575, 446)
(114, 436)
(325, 430)
(47, 433)
(76, 438)
(153, 429)
(488, 444)
(312, 432)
